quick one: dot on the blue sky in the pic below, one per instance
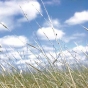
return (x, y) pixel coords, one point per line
(67, 17)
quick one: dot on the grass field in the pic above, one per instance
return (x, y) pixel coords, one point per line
(45, 79)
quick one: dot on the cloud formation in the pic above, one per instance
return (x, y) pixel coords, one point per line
(10, 9)
(49, 31)
(71, 56)
(78, 18)
(13, 41)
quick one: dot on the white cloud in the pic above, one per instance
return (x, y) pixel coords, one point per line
(74, 55)
(32, 60)
(16, 41)
(78, 18)
(28, 57)
(13, 55)
(49, 33)
(80, 48)
(69, 56)
(30, 10)
(47, 48)
(75, 36)
(55, 23)
(10, 9)
(52, 2)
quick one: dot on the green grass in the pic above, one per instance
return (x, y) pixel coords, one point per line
(45, 79)
(51, 77)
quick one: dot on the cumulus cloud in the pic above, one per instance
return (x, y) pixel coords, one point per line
(48, 31)
(10, 9)
(78, 18)
(30, 10)
(16, 41)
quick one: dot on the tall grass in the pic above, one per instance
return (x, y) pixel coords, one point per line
(46, 74)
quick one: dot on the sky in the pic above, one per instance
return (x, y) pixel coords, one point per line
(31, 21)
